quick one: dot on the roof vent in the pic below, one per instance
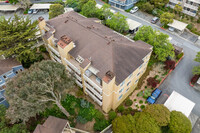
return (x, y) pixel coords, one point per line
(66, 21)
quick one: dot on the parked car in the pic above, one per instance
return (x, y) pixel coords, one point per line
(35, 11)
(155, 20)
(30, 11)
(135, 9)
(6, 1)
(154, 96)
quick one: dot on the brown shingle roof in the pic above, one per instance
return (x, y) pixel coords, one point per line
(51, 125)
(108, 50)
(7, 65)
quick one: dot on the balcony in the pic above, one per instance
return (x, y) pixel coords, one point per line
(74, 65)
(175, 1)
(195, 1)
(93, 82)
(78, 77)
(54, 50)
(79, 84)
(189, 13)
(55, 58)
(93, 90)
(191, 6)
(93, 97)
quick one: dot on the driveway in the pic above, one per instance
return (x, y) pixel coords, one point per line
(179, 79)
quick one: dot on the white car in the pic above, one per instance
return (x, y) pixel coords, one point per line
(171, 29)
(134, 9)
(35, 11)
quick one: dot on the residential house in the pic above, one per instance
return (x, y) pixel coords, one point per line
(106, 64)
(190, 7)
(123, 4)
(8, 69)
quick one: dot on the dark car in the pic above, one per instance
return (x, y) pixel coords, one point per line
(155, 20)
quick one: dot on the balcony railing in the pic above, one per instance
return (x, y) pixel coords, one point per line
(54, 50)
(93, 90)
(78, 77)
(93, 97)
(78, 83)
(175, 1)
(72, 66)
(195, 1)
(69, 69)
(189, 13)
(191, 6)
(55, 58)
(92, 83)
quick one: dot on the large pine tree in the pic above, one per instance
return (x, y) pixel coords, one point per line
(18, 34)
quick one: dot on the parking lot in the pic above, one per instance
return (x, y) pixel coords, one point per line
(44, 14)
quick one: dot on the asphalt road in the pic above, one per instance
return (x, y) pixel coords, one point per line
(179, 79)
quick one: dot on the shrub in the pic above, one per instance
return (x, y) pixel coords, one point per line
(127, 111)
(190, 26)
(100, 125)
(42, 48)
(156, 76)
(198, 21)
(194, 79)
(170, 64)
(145, 102)
(142, 106)
(79, 93)
(140, 94)
(128, 102)
(179, 56)
(135, 99)
(120, 109)
(152, 82)
(84, 103)
(112, 115)
(81, 120)
(145, 87)
(99, 115)
(140, 101)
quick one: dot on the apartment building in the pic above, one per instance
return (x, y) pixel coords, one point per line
(190, 7)
(106, 64)
(123, 4)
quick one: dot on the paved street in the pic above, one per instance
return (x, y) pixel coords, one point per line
(179, 79)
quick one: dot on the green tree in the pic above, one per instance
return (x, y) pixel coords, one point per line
(196, 69)
(72, 3)
(124, 124)
(159, 3)
(55, 10)
(31, 91)
(81, 3)
(104, 12)
(89, 9)
(179, 123)
(145, 123)
(162, 48)
(147, 7)
(159, 112)
(17, 36)
(178, 7)
(118, 23)
(112, 115)
(13, 1)
(166, 18)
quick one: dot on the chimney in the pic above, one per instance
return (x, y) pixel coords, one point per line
(64, 41)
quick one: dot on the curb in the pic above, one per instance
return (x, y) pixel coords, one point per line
(169, 72)
(191, 84)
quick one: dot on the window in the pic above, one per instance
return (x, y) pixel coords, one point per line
(120, 96)
(122, 84)
(121, 90)
(130, 76)
(79, 59)
(0, 80)
(9, 73)
(140, 67)
(21, 70)
(98, 80)
(136, 81)
(128, 83)
(138, 74)
(127, 89)
(4, 77)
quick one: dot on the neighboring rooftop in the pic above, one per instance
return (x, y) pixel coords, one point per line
(179, 103)
(133, 24)
(7, 65)
(51, 125)
(178, 25)
(107, 49)
(40, 6)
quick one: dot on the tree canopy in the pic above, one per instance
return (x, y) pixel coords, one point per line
(89, 9)
(104, 12)
(31, 91)
(196, 69)
(178, 8)
(159, 3)
(179, 123)
(166, 18)
(162, 48)
(55, 10)
(159, 112)
(118, 23)
(18, 35)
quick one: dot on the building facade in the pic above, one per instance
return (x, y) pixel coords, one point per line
(123, 4)
(8, 69)
(106, 64)
(190, 7)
